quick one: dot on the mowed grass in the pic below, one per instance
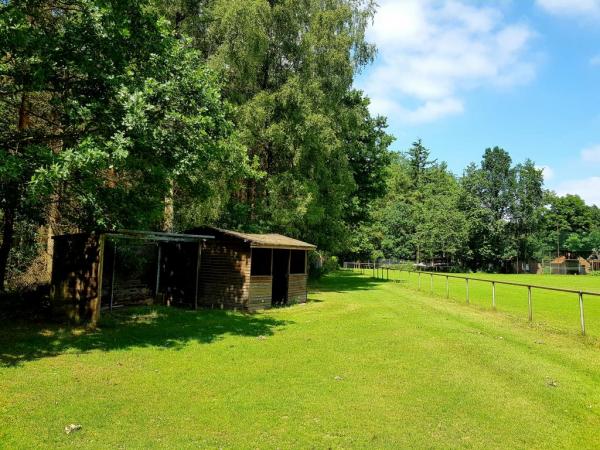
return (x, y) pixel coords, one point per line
(365, 364)
(553, 310)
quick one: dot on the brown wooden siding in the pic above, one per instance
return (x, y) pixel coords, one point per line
(75, 276)
(297, 288)
(260, 292)
(225, 275)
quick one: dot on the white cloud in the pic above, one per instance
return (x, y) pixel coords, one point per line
(573, 8)
(548, 172)
(587, 188)
(433, 51)
(591, 155)
(595, 60)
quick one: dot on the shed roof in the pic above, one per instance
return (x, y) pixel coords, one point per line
(270, 240)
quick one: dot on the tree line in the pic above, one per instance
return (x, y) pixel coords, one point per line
(159, 115)
(493, 216)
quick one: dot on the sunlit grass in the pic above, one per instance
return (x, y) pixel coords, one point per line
(365, 364)
(556, 310)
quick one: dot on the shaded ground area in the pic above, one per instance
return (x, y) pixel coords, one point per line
(128, 328)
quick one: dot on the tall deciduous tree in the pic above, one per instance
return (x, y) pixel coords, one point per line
(288, 66)
(489, 192)
(526, 210)
(106, 108)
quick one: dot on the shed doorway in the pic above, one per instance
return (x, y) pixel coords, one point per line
(281, 266)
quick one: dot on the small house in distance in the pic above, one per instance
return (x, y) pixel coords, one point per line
(565, 266)
(249, 272)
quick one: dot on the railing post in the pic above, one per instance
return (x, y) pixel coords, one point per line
(581, 314)
(468, 300)
(447, 287)
(529, 303)
(494, 294)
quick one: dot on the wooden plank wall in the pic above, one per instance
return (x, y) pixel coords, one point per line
(297, 288)
(225, 274)
(260, 292)
(74, 284)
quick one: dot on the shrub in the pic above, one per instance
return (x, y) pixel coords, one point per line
(321, 263)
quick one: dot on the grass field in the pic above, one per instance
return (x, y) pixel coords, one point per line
(365, 364)
(554, 310)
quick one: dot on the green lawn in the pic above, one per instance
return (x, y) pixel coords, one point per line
(364, 364)
(555, 310)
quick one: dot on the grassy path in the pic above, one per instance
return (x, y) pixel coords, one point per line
(363, 365)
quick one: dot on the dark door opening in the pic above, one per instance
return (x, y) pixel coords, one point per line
(281, 264)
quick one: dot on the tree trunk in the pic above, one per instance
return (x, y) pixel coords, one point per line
(169, 211)
(7, 234)
(12, 200)
(53, 218)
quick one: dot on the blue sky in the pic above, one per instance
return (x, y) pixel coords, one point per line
(464, 75)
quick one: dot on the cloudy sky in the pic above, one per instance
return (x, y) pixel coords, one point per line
(464, 75)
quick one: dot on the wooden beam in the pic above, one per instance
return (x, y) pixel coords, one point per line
(112, 277)
(157, 286)
(96, 302)
(287, 290)
(198, 264)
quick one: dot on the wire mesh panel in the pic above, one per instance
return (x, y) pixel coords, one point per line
(141, 271)
(130, 272)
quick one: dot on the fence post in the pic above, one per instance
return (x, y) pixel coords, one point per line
(468, 300)
(447, 287)
(581, 315)
(494, 294)
(431, 283)
(529, 303)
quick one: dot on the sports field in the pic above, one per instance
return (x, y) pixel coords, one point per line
(365, 364)
(553, 310)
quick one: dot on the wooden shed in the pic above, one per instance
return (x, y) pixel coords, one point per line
(252, 271)
(90, 271)
(205, 267)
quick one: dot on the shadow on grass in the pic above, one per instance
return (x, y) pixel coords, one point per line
(345, 281)
(159, 327)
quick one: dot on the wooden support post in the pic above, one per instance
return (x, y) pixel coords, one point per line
(112, 277)
(529, 303)
(287, 278)
(96, 302)
(157, 286)
(581, 313)
(198, 265)
(493, 295)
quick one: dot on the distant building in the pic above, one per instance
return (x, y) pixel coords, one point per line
(566, 266)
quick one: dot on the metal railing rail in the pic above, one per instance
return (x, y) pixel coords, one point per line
(382, 272)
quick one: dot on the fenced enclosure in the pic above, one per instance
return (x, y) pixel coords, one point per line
(559, 307)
